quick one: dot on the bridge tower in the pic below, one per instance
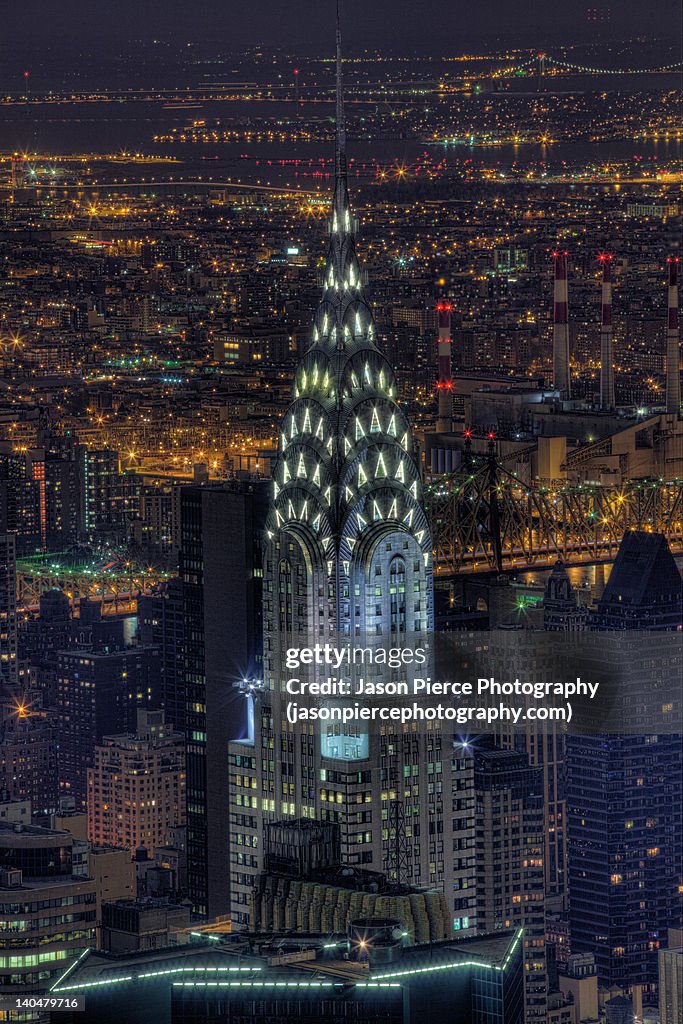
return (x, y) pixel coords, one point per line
(541, 58)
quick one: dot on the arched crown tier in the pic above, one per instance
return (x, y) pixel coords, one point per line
(346, 472)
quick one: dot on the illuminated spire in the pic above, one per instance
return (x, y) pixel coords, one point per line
(343, 306)
(340, 152)
(346, 466)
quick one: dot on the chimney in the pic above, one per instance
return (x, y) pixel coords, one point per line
(561, 327)
(673, 348)
(444, 384)
(607, 401)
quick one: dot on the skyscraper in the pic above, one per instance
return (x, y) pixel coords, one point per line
(8, 615)
(106, 494)
(644, 591)
(27, 741)
(136, 787)
(625, 789)
(161, 624)
(220, 568)
(670, 986)
(98, 693)
(347, 558)
(544, 747)
(19, 505)
(28, 756)
(510, 878)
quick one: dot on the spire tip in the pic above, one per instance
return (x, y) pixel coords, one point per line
(341, 126)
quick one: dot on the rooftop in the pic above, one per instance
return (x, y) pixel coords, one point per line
(644, 571)
(259, 961)
(48, 882)
(34, 831)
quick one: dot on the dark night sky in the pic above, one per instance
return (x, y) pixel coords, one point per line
(429, 25)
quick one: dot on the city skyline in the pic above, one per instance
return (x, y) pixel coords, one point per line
(363, 372)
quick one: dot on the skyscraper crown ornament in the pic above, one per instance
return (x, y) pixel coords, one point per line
(346, 472)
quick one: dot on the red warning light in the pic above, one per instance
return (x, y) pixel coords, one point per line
(468, 433)
(492, 436)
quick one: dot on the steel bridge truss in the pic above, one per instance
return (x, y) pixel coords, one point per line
(483, 518)
(118, 588)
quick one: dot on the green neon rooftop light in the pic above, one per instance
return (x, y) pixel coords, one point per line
(155, 974)
(379, 981)
(258, 984)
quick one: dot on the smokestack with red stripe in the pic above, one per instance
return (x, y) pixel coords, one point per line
(561, 327)
(607, 400)
(444, 384)
(673, 346)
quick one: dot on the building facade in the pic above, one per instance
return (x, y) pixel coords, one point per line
(510, 878)
(625, 787)
(222, 578)
(98, 694)
(475, 981)
(347, 561)
(161, 624)
(8, 613)
(48, 913)
(136, 787)
(670, 986)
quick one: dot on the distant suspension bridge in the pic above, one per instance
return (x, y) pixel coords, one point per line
(540, 63)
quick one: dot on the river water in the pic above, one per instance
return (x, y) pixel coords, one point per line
(111, 127)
